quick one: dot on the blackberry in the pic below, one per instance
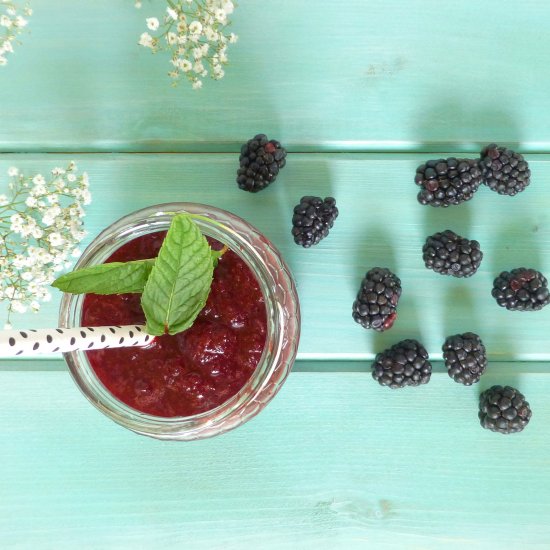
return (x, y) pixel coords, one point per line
(376, 302)
(503, 410)
(261, 160)
(312, 220)
(503, 170)
(521, 290)
(447, 181)
(404, 364)
(450, 254)
(465, 358)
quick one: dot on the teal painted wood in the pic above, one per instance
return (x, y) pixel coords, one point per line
(380, 224)
(335, 461)
(367, 75)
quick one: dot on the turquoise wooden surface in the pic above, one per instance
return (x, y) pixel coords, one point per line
(335, 461)
(380, 224)
(365, 75)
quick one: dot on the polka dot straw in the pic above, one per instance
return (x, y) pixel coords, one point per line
(14, 343)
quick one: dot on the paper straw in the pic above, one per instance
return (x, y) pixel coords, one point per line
(15, 343)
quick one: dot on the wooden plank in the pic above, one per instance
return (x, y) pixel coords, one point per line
(380, 223)
(390, 75)
(335, 461)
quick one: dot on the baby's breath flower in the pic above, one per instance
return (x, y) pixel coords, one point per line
(194, 32)
(40, 228)
(12, 24)
(146, 40)
(153, 23)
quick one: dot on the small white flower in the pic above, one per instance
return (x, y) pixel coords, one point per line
(197, 84)
(20, 22)
(233, 38)
(152, 23)
(3, 60)
(197, 53)
(13, 171)
(172, 38)
(31, 202)
(71, 177)
(16, 223)
(146, 40)
(56, 239)
(3, 200)
(198, 67)
(173, 14)
(182, 64)
(5, 21)
(8, 326)
(7, 47)
(195, 27)
(228, 7)
(35, 306)
(39, 179)
(181, 27)
(220, 15)
(18, 307)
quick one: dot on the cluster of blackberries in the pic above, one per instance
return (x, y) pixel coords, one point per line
(501, 409)
(260, 161)
(407, 364)
(445, 182)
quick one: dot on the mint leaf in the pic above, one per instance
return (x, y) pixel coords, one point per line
(217, 254)
(179, 283)
(109, 278)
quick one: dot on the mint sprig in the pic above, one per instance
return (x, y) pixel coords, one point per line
(179, 283)
(109, 278)
(174, 286)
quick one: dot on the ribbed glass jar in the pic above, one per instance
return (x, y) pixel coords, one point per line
(282, 309)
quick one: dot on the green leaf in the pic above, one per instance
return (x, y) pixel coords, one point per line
(216, 255)
(109, 278)
(179, 283)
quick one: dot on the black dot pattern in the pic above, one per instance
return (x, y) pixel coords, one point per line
(33, 341)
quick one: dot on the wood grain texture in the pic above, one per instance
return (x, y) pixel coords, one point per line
(372, 75)
(380, 224)
(335, 461)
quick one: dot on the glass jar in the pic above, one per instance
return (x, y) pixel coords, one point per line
(283, 322)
